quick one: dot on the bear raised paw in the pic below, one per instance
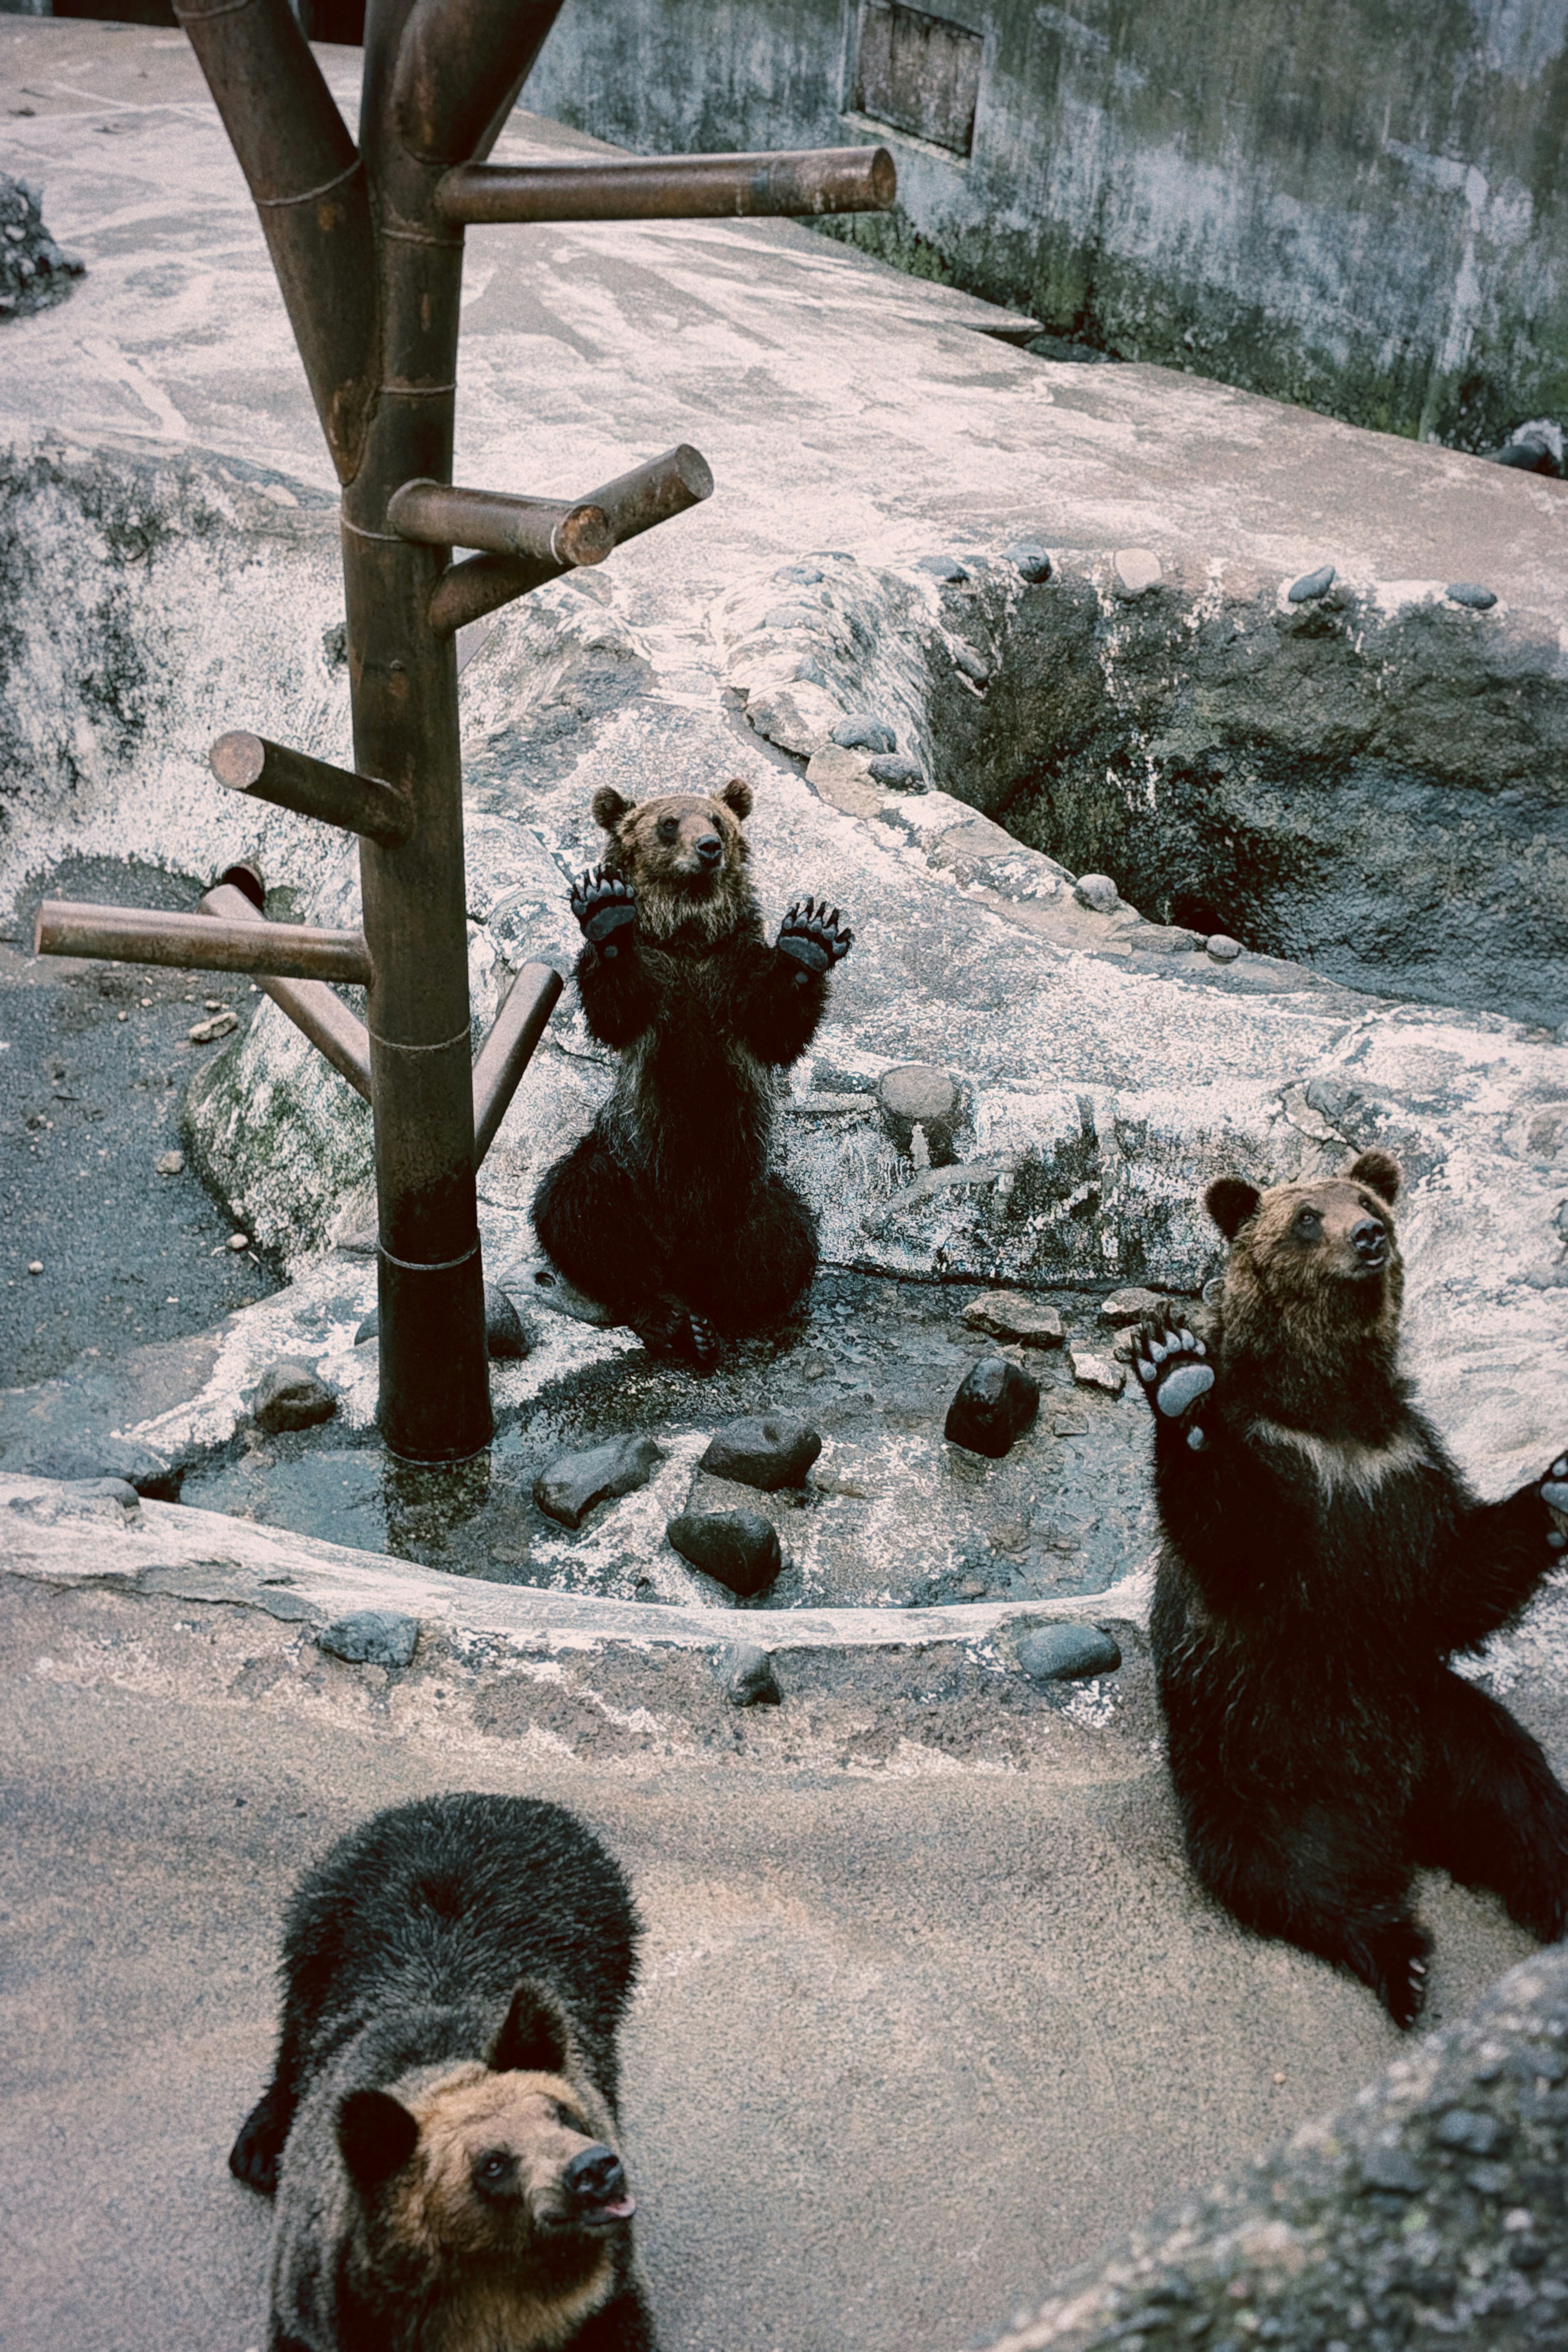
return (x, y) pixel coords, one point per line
(670, 1213)
(1323, 1560)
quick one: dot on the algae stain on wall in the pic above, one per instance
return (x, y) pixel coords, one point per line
(1355, 205)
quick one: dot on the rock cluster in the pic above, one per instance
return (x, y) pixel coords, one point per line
(33, 272)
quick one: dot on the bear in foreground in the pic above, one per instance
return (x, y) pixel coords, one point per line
(440, 2127)
(1323, 1560)
(668, 1211)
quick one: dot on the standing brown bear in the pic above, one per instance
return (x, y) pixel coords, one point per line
(668, 1211)
(1322, 1561)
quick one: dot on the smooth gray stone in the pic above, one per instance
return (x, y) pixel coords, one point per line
(943, 567)
(574, 1483)
(1556, 1493)
(767, 1450)
(1393, 2168)
(1031, 561)
(371, 1637)
(1098, 892)
(1222, 948)
(863, 732)
(1472, 592)
(1312, 585)
(969, 663)
(1466, 2127)
(996, 1401)
(747, 1673)
(897, 773)
(289, 1396)
(739, 1550)
(1183, 1388)
(1066, 1653)
(84, 1461)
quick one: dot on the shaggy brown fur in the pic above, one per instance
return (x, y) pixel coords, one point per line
(1322, 1559)
(652, 845)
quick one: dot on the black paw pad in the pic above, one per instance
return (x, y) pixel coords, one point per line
(813, 936)
(605, 906)
(1170, 1361)
(1554, 1494)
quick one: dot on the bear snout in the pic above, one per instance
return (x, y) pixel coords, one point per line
(709, 850)
(594, 2187)
(1370, 1242)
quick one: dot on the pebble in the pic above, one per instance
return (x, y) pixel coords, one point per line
(1310, 586)
(290, 1396)
(996, 1404)
(918, 1095)
(897, 773)
(739, 1550)
(1033, 561)
(371, 1637)
(569, 1489)
(1393, 2168)
(1222, 948)
(943, 567)
(1066, 1653)
(1137, 570)
(170, 1164)
(1011, 1315)
(1466, 2127)
(747, 1673)
(36, 1265)
(1470, 592)
(1129, 1307)
(767, 1450)
(861, 731)
(85, 1461)
(969, 663)
(1091, 1371)
(1098, 892)
(238, 1240)
(206, 1031)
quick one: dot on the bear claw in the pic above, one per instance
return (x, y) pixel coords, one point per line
(1168, 1360)
(1398, 1970)
(602, 905)
(813, 937)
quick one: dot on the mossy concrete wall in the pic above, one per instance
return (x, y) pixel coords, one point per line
(1360, 205)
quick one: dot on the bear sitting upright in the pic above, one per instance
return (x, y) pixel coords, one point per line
(1322, 1559)
(440, 2126)
(668, 1211)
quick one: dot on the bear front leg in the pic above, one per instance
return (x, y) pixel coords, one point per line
(1171, 1362)
(1497, 1558)
(616, 996)
(789, 992)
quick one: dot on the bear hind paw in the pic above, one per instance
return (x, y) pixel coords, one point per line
(1396, 1968)
(1553, 1492)
(1170, 1360)
(258, 2151)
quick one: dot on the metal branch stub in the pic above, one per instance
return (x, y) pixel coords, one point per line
(437, 514)
(201, 943)
(293, 780)
(813, 181)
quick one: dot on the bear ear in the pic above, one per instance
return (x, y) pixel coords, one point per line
(376, 2137)
(1379, 1173)
(609, 807)
(1231, 1200)
(737, 796)
(536, 2038)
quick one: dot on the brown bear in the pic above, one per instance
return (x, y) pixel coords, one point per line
(669, 1212)
(440, 2127)
(1322, 1561)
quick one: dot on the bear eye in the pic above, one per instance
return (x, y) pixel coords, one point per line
(494, 2168)
(1309, 1224)
(668, 828)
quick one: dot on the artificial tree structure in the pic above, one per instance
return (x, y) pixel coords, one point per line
(367, 244)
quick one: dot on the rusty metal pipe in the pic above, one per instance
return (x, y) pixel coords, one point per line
(811, 180)
(547, 529)
(310, 1005)
(200, 942)
(304, 172)
(507, 1050)
(461, 64)
(634, 502)
(293, 780)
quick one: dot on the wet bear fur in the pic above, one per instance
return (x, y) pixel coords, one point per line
(1322, 1562)
(440, 2127)
(668, 1211)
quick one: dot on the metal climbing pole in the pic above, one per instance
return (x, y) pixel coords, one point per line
(367, 243)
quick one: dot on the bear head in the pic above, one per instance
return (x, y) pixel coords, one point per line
(1319, 1256)
(684, 855)
(504, 2176)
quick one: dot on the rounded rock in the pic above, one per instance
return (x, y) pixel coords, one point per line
(739, 1550)
(863, 732)
(1012, 1315)
(1098, 892)
(1030, 560)
(371, 1637)
(1222, 948)
(1310, 586)
(996, 1404)
(896, 772)
(765, 1450)
(1066, 1653)
(1137, 570)
(944, 567)
(570, 1488)
(289, 1396)
(918, 1095)
(1129, 1307)
(1472, 593)
(968, 661)
(746, 1671)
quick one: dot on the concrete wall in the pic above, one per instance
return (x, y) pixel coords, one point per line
(1357, 205)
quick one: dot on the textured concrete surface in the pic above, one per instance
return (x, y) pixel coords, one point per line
(929, 2009)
